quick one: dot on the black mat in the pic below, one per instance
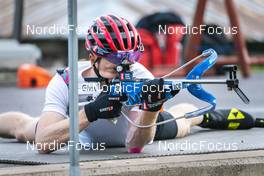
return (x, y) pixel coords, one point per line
(200, 141)
(14, 99)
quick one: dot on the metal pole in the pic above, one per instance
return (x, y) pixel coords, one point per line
(18, 18)
(73, 87)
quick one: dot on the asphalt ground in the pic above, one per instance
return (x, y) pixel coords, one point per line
(31, 101)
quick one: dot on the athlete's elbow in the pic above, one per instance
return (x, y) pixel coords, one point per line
(134, 147)
(43, 147)
(44, 151)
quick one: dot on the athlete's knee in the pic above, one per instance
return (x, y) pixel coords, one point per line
(183, 124)
(173, 129)
(181, 109)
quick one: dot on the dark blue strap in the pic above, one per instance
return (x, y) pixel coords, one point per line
(64, 73)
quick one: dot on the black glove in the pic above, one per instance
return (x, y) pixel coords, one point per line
(102, 108)
(153, 94)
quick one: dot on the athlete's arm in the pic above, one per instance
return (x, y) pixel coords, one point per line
(138, 137)
(53, 129)
(153, 101)
(53, 126)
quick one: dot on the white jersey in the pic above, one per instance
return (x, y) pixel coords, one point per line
(57, 100)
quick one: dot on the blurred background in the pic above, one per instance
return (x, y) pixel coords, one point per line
(35, 32)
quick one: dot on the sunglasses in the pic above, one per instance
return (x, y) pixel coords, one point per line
(120, 57)
(123, 57)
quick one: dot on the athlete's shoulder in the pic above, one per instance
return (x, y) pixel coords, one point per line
(58, 81)
(84, 65)
(140, 71)
(81, 65)
(64, 72)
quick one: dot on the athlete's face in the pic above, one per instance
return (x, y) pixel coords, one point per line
(106, 68)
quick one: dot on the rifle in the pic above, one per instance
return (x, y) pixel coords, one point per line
(128, 89)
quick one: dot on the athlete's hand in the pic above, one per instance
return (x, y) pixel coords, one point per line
(102, 108)
(153, 94)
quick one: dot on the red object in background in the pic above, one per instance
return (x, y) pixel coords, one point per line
(154, 56)
(173, 46)
(152, 52)
(29, 76)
